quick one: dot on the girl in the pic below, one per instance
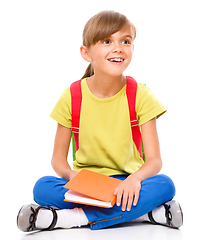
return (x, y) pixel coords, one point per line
(106, 143)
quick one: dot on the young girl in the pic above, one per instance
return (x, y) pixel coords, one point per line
(106, 143)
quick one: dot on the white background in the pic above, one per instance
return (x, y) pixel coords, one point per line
(39, 58)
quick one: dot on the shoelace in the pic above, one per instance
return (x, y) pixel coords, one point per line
(168, 214)
(32, 219)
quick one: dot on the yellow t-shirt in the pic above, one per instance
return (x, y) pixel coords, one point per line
(105, 137)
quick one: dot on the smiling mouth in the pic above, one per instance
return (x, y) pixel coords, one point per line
(116, 60)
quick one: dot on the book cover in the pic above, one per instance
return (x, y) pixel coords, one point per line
(92, 188)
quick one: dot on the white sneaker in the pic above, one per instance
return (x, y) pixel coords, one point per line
(173, 214)
(27, 216)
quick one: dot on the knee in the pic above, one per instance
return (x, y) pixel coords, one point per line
(167, 185)
(40, 188)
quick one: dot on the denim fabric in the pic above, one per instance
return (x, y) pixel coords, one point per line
(156, 190)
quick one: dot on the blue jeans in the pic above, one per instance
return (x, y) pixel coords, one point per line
(156, 190)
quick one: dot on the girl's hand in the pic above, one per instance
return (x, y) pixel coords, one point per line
(128, 191)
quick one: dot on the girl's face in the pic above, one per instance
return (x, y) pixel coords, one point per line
(111, 56)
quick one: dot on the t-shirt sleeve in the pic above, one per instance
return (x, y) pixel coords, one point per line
(62, 110)
(147, 105)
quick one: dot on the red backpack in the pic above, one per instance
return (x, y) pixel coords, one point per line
(76, 100)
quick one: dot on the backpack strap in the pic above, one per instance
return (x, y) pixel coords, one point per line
(76, 100)
(131, 91)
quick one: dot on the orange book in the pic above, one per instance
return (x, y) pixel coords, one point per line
(92, 188)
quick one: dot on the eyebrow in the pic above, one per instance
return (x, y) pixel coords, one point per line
(127, 36)
(124, 36)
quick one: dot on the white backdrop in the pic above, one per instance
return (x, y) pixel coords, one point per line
(39, 58)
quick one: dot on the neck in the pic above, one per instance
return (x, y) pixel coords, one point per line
(106, 86)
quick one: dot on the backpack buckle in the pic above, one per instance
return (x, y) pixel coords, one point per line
(134, 123)
(75, 130)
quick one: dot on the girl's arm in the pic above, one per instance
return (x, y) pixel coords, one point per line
(61, 147)
(151, 150)
(129, 189)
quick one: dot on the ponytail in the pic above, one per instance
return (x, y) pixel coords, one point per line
(89, 71)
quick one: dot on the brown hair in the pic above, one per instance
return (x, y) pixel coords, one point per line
(102, 26)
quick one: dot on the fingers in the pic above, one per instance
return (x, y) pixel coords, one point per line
(127, 199)
(136, 199)
(118, 194)
(127, 193)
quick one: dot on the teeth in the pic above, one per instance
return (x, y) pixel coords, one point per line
(116, 60)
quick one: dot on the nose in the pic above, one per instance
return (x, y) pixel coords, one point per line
(117, 48)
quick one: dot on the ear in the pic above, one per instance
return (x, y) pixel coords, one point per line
(85, 54)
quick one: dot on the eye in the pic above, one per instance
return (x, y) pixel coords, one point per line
(106, 42)
(126, 42)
